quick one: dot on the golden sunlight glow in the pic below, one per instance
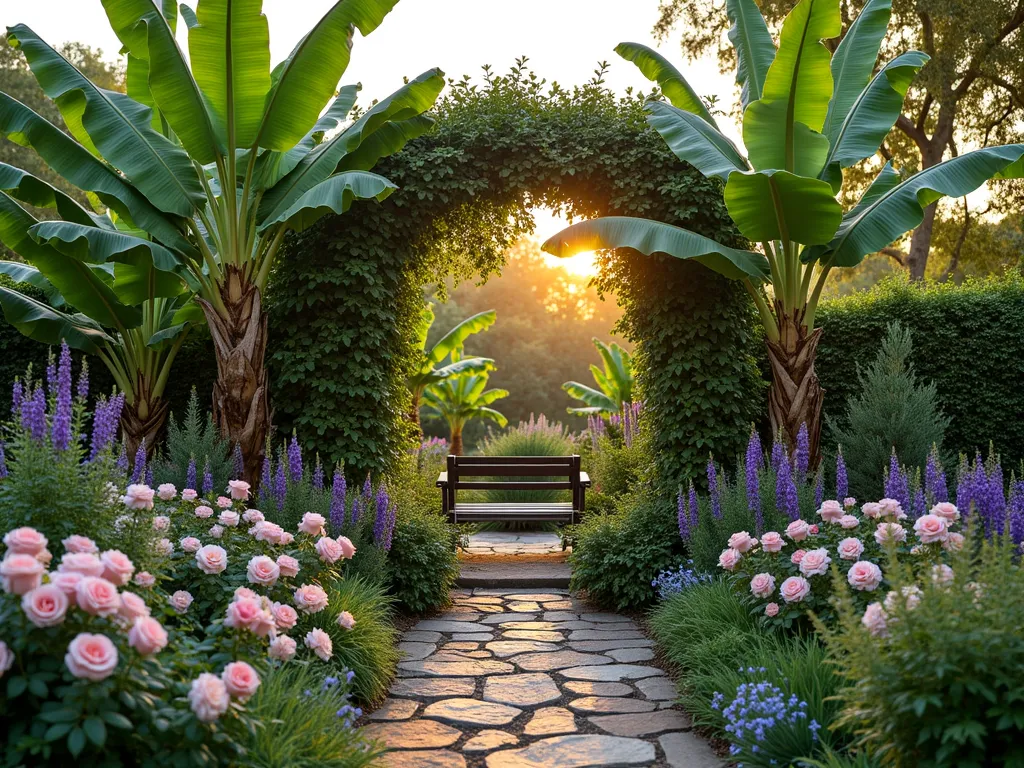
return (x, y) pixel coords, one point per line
(548, 223)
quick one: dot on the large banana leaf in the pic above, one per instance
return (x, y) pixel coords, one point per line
(775, 205)
(768, 147)
(618, 370)
(42, 323)
(20, 272)
(493, 415)
(23, 186)
(597, 402)
(336, 194)
(139, 282)
(456, 337)
(695, 141)
(100, 245)
(304, 82)
(651, 237)
(755, 50)
(657, 68)
(472, 365)
(385, 141)
(113, 125)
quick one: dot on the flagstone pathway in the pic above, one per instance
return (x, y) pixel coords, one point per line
(531, 679)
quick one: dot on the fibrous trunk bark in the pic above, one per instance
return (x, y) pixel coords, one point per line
(241, 403)
(141, 420)
(456, 446)
(796, 395)
(920, 245)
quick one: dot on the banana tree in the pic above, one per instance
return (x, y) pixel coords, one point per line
(615, 383)
(461, 399)
(213, 158)
(428, 372)
(807, 115)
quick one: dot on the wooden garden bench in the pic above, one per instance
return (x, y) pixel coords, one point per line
(486, 467)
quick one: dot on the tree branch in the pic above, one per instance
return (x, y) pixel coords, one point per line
(925, 109)
(914, 133)
(895, 253)
(954, 257)
(973, 71)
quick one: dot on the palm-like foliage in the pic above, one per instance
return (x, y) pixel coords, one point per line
(430, 370)
(462, 398)
(615, 383)
(204, 165)
(807, 115)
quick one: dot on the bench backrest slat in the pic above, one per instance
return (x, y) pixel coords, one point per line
(504, 485)
(559, 461)
(515, 470)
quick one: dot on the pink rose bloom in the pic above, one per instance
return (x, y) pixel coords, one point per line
(946, 511)
(797, 556)
(849, 521)
(284, 616)
(144, 579)
(762, 585)
(223, 502)
(798, 530)
(244, 593)
(815, 562)
(849, 502)
(729, 559)
(228, 518)
(742, 542)
(282, 647)
(45, 557)
(164, 547)
(874, 619)
(313, 524)
(189, 494)
(180, 601)
(954, 542)
(865, 576)
(138, 497)
(238, 490)
(217, 531)
(285, 538)
(243, 613)
(911, 598)
(91, 657)
(117, 568)
(310, 598)
(253, 516)
(795, 589)
(348, 549)
(263, 570)
(346, 621)
(813, 530)
(931, 529)
(83, 563)
(97, 597)
(25, 541)
(6, 658)
(772, 609)
(20, 573)
(892, 508)
(942, 575)
(211, 559)
(872, 510)
(166, 491)
(132, 607)
(319, 642)
(890, 532)
(147, 636)
(240, 679)
(850, 549)
(208, 697)
(190, 544)
(772, 542)
(328, 549)
(161, 523)
(264, 530)
(45, 606)
(831, 511)
(289, 566)
(203, 511)
(67, 582)
(81, 545)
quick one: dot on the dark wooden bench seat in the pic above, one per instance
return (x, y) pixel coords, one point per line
(476, 473)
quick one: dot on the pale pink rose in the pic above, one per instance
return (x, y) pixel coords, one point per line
(45, 606)
(45, 557)
(815, 562)
(872, 510)
(892, 508)
(263, 570)
(208, 697)
(164, 547)
(742, 542)
(795, 589)
(25, 541)
(310, 598)
(942, 574)
(240, 679)
(328, 549)
(82, 545)
(729, 559)
(132, 606)
(890, 532)
(244, 593)
(931, 529)
(348, 549)
(850, 548)
(797, 556)
(217, 531)
(243, 613)
(238, 490)
(6, 658)
(762, 585)
(772, 542)
(849, 521)
(946, 511)
(180, 601)
(282, 647)
(144, 579)
(203, 511)
(831, 511)
(253, 516)
(865, 576)
(289, 566)
(223, 502)
(849, 502)
(117, 568)
(346, 621)
(772, 609)
(161, 523)
(189, 494)
(313, 524)
(138, 497)
(166, 491)
(228, 518)
(875, 620)
(264, 530)
(911, 595)
(20, 573)
(285, 538)
(67, 581)
(798, 530)
(211, 559)
(320, 643)
(284, 616)
(190, 544)
(813, 530)
(81, 562)
(954, 542)
(147, 636)
(91, 657)
(97, 596)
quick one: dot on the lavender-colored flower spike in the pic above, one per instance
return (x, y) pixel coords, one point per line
(894, 482)
(207, 478)
(380, 522)
(713, 490)
(1016, 511)
(3, 461)
(104, 425)
(139, 465)
(367, 488)
(920, 503)
(122, 460)
(338, 490)
(802, 457)
(294, 460)
(996, 499)
(842, 480)
(778, 454)
(280, 485)
(51, 374)
(691, 503)
(786, 499)
(83, 382)
(61, 430)
(683, 515)
(149, 475)
(318, 474)
(819, 489)
(33, 415)
(191, 476)
(237, 462)
(963, 487)
(934, 478)
(267, 479)
(17, 393)
(356, 509)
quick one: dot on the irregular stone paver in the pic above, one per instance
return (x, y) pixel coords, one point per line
(531, 634)
(503, 648)
(421, 636)
(511, 623)
(521, 593)
(560, 605)
(427, 688)
(413, 734)
(580, 751)
(559, 616)
(471, 712)
(643, 725)
(521, 690)
(415, 651)
(607, 645)
(545, 662)
(683, 750)
(627, 655)
(448, 626)
(551, 721)
(609, 705)
(524, 606)
(440, 758)
(395, 709)
(586, 688)
(610, 673)
(453, 668)
(658, 689)
(610, 617)
(486, 741)
(475, 637)
(599, 634)
(460, 646)
(501, 618)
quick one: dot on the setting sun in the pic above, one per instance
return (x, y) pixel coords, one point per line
(550, 222)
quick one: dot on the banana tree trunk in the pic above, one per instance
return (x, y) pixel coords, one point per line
(241, 405)
(456, 447)
(796, 395)
(143, 420)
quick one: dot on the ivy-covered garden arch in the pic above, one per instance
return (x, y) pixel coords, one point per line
(348, 293)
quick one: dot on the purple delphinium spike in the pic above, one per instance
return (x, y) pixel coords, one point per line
(367, 489)
(752, 468)
(357, 510)
(51, 374)
(104, 426)
(280, 484)
(82, 390)
(786, 499)
(267, 479)
(963, 487)
(33, 414)
(920, 503)
(17, 393)
(842, 479)
(139, 465)
(294, 460)
(892, 479)
(381, 520)
(207, 478)
(3, 461)
(122, 460)
(318, 474)
(149, 475)
(190, 474)
(802, 456)
(778, 454)
(683, 516)
(819, 489)
(691, 503)
(61, 430)
(237, 463)
(996, 499)
(1016, 511)
(713, 490)
(338, 490)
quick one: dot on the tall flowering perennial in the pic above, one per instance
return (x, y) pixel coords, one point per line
(3, 461)
(105, 420)
(338, 492)
(713, 490)
(191, 476)
(683, 516)
(897, 486)
(61, 429)
(82, 390)
(267, 479)
(1015, 511)
(139, 464)
(980, 490)
(237, 462)
(33, 415)
(786, 499)
(318, 474)
(819, 488)
(691, 502)
(380, 522)
(17, 395)
(280, 484)
(802, 454)
(207, 478)
(935, 478)
(294, 460)
(752, 461)
(842, 479)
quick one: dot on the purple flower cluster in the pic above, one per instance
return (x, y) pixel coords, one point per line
(318, 474)
(1015, 511)
(139, 465)
(596, 429)
(338, 491)
(207, 478)
(384, 522)
(819, 489)
(237, 463)
(294, 460)
(897, 484)
(105, 419)
(61, 430)
(17, 393)
(33, 415)
(683, 515)
(190, 474)
(691, 502)
(671, 583)
(980, 490)
(752, 462)
(267, 479)
(786, 499)
(802, 455)
(714, 491)
(280, 484)
(3, 461)
(842, 481)
(82, 391)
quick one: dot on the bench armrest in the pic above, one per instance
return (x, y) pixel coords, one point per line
(442, 480)
(584, 479)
